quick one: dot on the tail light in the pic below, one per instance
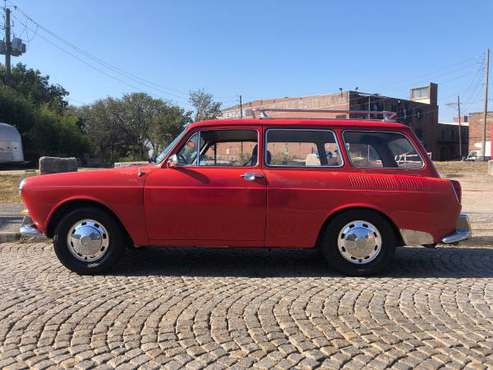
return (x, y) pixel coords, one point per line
(457, 189)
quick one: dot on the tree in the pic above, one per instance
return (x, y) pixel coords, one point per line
(204, 105)
(35, 87)
(108, 141)
(170, 121)
(43, 130)
(39, 111)
(130, 127)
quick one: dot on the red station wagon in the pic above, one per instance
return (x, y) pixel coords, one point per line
(356, 189)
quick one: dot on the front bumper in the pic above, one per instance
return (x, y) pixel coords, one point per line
(462, 230)
(28, 228)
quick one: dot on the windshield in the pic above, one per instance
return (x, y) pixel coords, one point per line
(168, 148)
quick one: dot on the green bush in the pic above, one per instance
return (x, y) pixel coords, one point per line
(43, 130)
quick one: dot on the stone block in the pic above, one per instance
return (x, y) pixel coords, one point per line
(57, 164)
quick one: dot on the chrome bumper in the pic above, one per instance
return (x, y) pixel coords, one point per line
(28, 228)
(462, 230)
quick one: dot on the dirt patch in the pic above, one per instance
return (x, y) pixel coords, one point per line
(459, 168)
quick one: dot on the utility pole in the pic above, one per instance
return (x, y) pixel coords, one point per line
(241, 116)
(460, 128)
(8, 44)
(10, 47)
(241, 106)
(485, 113)
(457, 105)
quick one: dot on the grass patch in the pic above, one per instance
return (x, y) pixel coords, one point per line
(9, 188)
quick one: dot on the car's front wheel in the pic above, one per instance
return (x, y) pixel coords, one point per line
(89, 241)
(359, 243)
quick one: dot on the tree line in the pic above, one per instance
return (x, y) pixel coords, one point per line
(136, 126)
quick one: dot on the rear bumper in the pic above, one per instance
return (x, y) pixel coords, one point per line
(462, 230)
(28, 228)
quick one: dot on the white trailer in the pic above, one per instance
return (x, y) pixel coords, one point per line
(10, 145)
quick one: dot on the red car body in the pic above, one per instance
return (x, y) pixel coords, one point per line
(161, 205)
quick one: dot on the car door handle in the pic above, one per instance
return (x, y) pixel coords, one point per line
(250, 176)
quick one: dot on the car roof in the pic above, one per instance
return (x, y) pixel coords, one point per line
(358, 123)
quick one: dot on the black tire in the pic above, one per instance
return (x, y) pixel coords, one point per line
(117, 241)
(329, 243)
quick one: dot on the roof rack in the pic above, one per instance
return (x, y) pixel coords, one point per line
(387, 115)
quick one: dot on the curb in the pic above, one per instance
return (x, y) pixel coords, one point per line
(9, 237)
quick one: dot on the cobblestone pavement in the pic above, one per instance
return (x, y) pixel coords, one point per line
(223, 308)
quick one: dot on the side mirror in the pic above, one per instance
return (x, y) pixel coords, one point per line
(172, 161)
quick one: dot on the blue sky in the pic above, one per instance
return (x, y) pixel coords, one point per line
(260, 49)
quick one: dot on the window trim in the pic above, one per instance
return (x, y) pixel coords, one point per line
(266, 143)
(199, 132)
(423, 162)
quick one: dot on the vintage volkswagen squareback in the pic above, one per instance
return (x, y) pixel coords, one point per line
(356, 189)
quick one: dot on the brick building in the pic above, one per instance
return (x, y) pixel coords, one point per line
(447, 140)
(420, 112)
(476, 133)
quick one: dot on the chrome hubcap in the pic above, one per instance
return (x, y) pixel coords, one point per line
(88, 240)
(359, 242)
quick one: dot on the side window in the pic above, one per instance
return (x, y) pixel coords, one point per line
(225, 148)
(229, 148)
(302, 148)
(381, 150)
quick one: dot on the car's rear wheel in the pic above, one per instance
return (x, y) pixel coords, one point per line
(359, 243)
(89, 241)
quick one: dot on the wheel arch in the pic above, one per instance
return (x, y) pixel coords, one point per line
(337, 212)
(71, 204)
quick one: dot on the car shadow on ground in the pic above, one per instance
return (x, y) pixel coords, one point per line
(409, 262)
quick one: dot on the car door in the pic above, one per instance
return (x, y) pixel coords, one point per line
(214, 196)
(303, 171)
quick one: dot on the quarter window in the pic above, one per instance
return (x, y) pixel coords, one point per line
(188, 153)
(381, 150)
(302, 148)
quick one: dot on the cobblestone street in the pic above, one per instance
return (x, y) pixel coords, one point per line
(223, 308)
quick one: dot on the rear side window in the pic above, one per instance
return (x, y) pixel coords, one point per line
(381, 150)
(302, 148)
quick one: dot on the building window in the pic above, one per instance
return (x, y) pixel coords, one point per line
(420, 92)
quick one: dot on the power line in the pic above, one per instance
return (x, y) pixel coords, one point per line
(117, 70)
(122, 76)
(475, 83)
(88, 64)
(447, 70)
